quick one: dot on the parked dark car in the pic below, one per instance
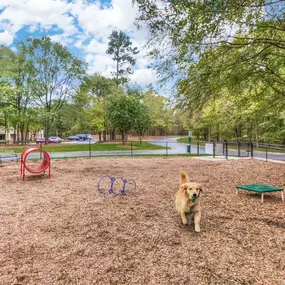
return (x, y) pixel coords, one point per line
(84, 137)
(73, 138)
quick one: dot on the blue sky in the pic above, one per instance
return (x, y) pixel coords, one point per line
(82, 26)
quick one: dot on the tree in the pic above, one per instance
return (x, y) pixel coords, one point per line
(6, 88)
(93, 95)
(120, 47)
(143, 120)
(161, 112)
(184, 31)
(56, 73)
(125, 113)
(18, 111)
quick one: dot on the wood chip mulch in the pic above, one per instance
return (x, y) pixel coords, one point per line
(62, 230)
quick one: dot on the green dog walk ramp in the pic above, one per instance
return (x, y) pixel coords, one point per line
(261, 188)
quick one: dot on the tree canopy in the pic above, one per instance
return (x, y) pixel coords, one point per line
(120, 47)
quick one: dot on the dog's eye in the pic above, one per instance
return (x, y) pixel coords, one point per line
(190, 188)
(196, 188)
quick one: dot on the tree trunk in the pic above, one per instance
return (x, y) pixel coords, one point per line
(256, 134)
(46, 128)
(117, 73)
(100, 136)
(22, 134)
(218, 132)
(6, 126)
(27, 134)
(18, 134)
(14, 133)
(113, 135)
(104, 135)
(123, 138)
(249, 132)
(209, 134)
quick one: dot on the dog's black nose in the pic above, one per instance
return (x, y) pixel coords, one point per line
(194, 195)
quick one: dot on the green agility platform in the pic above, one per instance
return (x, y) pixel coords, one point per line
(260, 188)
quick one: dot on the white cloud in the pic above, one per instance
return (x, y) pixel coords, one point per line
(64, 39)
(81, 24)
(100, 22)
(100, 63)
(96, 47)
(6, 38)
(143, 77)
(45, 13)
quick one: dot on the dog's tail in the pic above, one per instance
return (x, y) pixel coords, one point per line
(183, 177)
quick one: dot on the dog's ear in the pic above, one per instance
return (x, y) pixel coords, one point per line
(201, 188)
(184, 188)
(183, 177)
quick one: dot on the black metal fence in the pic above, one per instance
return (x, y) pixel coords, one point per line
(131, 148)
(170, 147)
(251, 149)
(239, 149)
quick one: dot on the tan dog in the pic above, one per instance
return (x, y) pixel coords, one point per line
(188, 201)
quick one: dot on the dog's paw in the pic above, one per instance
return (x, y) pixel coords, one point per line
(197, 228)
(184, 221)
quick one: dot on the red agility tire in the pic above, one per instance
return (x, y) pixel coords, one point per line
(45, 164)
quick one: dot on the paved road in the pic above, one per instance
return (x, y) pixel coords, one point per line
(175, 148)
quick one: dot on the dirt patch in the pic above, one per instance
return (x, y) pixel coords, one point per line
(62, 230)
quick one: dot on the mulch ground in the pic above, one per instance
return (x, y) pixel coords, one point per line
(62, 230)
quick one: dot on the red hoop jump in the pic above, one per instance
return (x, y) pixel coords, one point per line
(39, 168)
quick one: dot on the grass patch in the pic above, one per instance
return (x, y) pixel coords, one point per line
(193, 141)
(94, 147)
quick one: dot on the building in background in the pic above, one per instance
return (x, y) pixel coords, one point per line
(10, 136)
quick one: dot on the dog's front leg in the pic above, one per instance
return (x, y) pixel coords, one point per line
(184, 218)
(197, 218)
(190, 218)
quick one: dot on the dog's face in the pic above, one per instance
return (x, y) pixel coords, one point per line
(191, 190)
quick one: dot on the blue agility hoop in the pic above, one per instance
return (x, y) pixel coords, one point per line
(123, 191)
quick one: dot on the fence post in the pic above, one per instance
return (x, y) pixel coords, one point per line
(251, 149)
(214, 149)
(131, 148)
(266, 153)
(238, 148)
(198, 148)
(89, 148)
(41, 146)
(166, 150)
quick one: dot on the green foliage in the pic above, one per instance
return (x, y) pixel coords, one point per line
(188, 29)
(120, 47)
(122, 112)
(54, 74)
(94, 147)
(229, 57)
(127, 113)
(143, 120)
(91, 100)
